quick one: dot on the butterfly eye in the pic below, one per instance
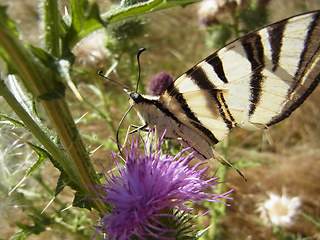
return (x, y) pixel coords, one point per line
(137, 97)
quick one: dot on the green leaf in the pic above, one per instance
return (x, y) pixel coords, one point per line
(51, 63)
(80, 200)
(42, 155)
(92, 19)
(143, 8)
(40, 224)
(63, 181)
(78, 8)
(85, 19)
(6, 21)
(20, 235)
(60, 184)
(15, 122)
(47, 59)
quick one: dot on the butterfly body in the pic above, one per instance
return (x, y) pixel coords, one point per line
(253, 82)
(156, 115)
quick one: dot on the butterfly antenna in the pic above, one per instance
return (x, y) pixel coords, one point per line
(117, 136)
(141, 50)
(100, 73)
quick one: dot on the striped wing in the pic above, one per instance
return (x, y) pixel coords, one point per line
(254, 82)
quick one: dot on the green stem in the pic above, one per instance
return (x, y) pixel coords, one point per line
(33, 126)
(51, 27)
(41, 81)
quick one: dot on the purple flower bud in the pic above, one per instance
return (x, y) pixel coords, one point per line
(159, 83)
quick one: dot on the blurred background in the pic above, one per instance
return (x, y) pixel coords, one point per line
(281, 163)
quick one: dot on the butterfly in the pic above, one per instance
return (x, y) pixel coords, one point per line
(254, 82)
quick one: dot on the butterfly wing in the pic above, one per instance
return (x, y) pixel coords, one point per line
(254, 82)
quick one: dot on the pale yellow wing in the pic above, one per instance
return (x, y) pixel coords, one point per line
(254, 82)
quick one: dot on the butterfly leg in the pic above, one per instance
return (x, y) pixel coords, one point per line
(142, 128)
(227, 163)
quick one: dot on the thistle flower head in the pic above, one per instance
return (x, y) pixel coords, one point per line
(207, 11)
(279, 210)
(91, 51)
(159, 83)
(211, 12)
(146, 187)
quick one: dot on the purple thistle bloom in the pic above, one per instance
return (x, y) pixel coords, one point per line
(159, 83)
(146, 187)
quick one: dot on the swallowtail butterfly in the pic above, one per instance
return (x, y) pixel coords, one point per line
(254, 82)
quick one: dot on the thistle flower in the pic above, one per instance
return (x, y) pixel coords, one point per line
(91, 51)
(279, 210)
(211, 12)
(207, 12)
(147, 188)
(159, 83)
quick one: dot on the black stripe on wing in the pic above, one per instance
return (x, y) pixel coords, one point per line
(173, 92)
(275, 39)
(297, 103)
(311, 45)
(307, 76)
(199, 78)
(215, 61)
(254, 49)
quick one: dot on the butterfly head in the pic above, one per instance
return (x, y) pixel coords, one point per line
(134, 96)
